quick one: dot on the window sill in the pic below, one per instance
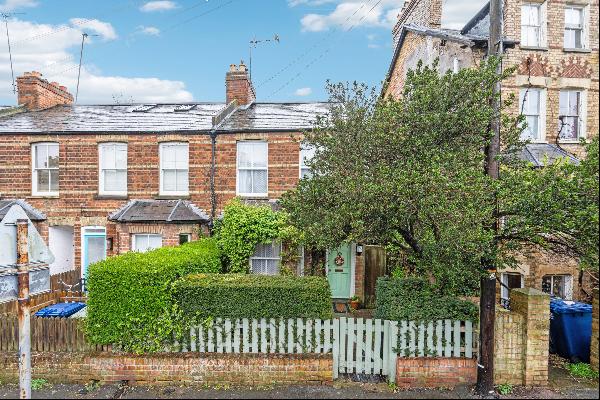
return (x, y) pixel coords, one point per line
(570, 141)
(253, 196)
(536, 48)
(44, 196)
(569, 50)
(111, 197)
(172, 197)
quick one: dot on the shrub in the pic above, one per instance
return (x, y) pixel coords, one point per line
(130, 296)
(415, 299)
(253, 296)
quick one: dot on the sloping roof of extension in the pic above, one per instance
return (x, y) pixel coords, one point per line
(541, 154)
(31, 212)
(163, 118)
(167, 211)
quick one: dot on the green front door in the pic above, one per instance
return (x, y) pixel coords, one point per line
(339, 272)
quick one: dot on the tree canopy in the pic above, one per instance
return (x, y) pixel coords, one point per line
(409, 173)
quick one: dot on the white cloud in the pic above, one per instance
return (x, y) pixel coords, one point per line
(148, 30)
(104, 29)
(12, 5)
(161, 5)
(302, 92)
(56, 56)
(456, 13)
(352, 13)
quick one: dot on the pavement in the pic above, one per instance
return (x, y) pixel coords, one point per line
(339, 390)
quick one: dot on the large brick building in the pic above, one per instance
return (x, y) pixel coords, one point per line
(121, 177)
(554, 44)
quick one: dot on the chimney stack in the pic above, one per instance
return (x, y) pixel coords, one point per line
(36, 93)
(238, 85)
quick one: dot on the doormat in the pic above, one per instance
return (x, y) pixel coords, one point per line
(340, 307)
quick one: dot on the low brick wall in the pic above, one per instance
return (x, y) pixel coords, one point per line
(207, 368)
(594, 345)
(426, 372)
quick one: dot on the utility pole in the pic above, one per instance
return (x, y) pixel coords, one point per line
(24, 313)
(487, 304)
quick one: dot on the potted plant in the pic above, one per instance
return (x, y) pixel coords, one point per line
(355, 303)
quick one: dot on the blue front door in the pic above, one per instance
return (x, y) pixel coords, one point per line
(93, 248)
(339, 271)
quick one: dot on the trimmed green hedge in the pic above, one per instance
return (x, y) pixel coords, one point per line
(415, 299)
(253, 296)
(130, 296)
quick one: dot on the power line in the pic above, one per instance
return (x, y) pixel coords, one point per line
(315, 45)
(321, 55)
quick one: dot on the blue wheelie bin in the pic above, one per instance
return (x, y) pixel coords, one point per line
(571, 329)
(60, 310)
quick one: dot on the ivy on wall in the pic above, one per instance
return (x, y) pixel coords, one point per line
(245, 226)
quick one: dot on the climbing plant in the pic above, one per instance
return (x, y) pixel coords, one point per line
(245, 226)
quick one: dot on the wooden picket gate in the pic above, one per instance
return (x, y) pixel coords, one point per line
(358, 346)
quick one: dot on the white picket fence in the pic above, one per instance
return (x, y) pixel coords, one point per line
(358, 346)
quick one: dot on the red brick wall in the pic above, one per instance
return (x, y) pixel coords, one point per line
(79, 203)
(428, 372)
(169, 369)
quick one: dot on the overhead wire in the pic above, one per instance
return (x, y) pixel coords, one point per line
(321, 55)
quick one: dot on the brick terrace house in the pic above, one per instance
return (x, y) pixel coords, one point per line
(554, 43)
(113, 178)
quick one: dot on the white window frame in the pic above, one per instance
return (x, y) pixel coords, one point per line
(102, 149)
(274, 244)
(541, 128)
(238, 168)
(188, 235)
(34, 181)
(147, 235)
(581, 27)
(303, 166)
(568, 281)
(581, 117)
(162, 147)
(504, 292)
(542, 28)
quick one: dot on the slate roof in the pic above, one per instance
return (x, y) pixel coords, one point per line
(167, 211)
(541, 154)
(147, 118)
(32, 213)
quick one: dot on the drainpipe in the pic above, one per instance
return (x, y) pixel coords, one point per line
(213, 196)
(24, 313)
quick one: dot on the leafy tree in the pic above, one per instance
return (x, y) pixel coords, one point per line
(409, 173)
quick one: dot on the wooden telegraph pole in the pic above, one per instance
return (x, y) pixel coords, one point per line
(485, 370)
(24, 310)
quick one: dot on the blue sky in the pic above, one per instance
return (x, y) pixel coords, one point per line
(152, 51)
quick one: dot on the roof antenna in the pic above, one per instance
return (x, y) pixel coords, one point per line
(255, 42)
(5, 16)
(83, 36)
